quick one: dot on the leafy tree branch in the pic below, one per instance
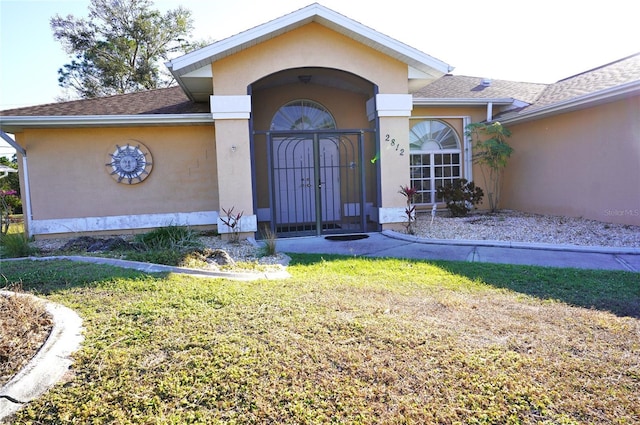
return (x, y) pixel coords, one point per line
(491, 152)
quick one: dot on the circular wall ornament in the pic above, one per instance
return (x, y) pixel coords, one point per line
(129, 164)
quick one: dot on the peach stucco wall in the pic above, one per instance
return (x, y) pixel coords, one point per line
(581, 164)
(68, 176)
(312, 45)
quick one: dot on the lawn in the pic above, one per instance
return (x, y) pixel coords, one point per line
(346, 340)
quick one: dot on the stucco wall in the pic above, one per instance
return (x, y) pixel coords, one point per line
(580, 164)
(314, 45)
(310, 45)
(69, 179)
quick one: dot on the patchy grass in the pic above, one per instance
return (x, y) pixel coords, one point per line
(346, 340)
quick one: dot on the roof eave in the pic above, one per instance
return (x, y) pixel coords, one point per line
(577, 103)
(198, 59)
(12, 124)
(445, 101)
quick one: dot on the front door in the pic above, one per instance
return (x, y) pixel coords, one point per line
(306, 183)
(316, 178)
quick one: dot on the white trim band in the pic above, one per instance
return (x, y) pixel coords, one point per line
(230, 107)
(391, 215)
(394, 105)
(248, 223)
(121, 222)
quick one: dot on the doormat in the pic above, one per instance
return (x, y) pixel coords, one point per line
(346, 237)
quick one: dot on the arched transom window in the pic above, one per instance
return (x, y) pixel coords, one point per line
(302, 115)
(435, 158)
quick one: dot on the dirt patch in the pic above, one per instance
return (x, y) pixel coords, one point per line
(24, 328)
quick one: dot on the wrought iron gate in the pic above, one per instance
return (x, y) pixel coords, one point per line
(316, 182)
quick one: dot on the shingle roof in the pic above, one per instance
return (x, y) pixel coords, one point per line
(464, 87)
(614, 74)
(171, 100)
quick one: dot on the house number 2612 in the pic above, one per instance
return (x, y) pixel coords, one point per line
(394, 145)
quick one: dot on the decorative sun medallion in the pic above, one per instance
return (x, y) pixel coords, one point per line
(129, 164)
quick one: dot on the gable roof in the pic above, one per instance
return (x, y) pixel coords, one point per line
(193, 71)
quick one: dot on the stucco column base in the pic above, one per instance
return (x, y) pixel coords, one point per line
(397, 227)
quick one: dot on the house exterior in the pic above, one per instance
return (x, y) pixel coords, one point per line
(309, 124)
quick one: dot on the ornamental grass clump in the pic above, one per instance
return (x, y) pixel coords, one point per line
(15, 245)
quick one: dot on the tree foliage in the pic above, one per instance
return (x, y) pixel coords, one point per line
(491, 151)
(120, 47)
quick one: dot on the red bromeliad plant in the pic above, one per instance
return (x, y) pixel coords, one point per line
(409, 193)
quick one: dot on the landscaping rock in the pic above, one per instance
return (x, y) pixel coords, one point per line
(91, 244)
(219, 257)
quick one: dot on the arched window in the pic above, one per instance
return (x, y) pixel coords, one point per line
(302, 115)
(435, 158)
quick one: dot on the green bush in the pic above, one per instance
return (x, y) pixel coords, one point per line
(172, 238)
(460, 197)
(15, 245)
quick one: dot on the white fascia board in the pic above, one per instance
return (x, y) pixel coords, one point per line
(18, 122)
(204, 72)
(314, 12)
(581, 102)
(461, 101)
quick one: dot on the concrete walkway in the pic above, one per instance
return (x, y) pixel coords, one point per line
(398, 245)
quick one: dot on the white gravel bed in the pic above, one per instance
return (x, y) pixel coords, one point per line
(523, 227)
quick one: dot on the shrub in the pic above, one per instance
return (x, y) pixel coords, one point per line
(15, 245)
(460, 197)
(170, 238)
(410, 210)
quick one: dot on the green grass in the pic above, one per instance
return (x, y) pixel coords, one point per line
(346, 340)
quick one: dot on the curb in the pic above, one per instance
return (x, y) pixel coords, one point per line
(49, 364)
(159, 268)
(521, 245)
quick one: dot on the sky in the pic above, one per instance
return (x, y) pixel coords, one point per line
(540, 41)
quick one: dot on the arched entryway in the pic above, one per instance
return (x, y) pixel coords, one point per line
(310, 171)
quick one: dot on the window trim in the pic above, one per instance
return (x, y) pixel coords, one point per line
(465, 150)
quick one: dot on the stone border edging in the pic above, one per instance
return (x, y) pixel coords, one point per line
(523, 245)
(160, 268)
(51, 361)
